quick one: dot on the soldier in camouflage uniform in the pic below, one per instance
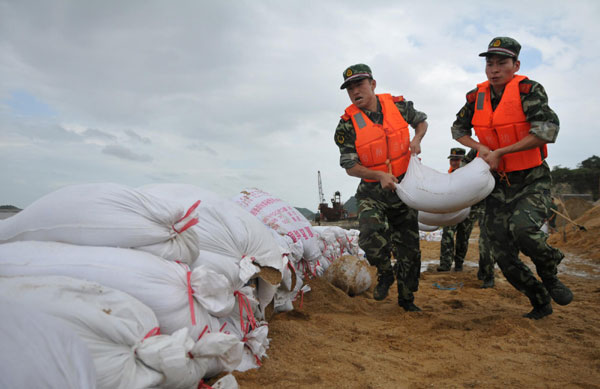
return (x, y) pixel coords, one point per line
(462, 231)
(486, 262)
(513, 123)
(387, 225)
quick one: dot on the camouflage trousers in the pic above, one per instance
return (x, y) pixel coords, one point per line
(514, 214)
(486, 262)
(387, 225)
(449, 252)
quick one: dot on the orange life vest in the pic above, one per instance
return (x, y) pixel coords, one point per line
(505, 126)
(382, 147)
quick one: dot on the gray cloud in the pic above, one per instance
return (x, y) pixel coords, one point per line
(92, 133)
(136, 137)
(125, 153)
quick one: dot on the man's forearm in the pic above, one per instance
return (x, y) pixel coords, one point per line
(360, 171)
(529, 142)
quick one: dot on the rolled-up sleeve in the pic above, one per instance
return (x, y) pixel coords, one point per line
(544, 121)
(345, 138)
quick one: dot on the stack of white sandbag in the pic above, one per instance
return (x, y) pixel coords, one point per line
(121, 333)
(237, 244)
(444, 199)
(334, 242)
(285, 220)
(140, 244)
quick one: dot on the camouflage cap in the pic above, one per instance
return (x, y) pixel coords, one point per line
(457, 153)
(503, 46)
(355, 73)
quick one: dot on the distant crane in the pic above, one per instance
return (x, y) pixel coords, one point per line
(321, 195)
(327, 213)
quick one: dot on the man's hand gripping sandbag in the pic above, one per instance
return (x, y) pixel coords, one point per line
(426, 189)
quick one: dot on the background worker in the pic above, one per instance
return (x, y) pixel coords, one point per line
(375, 145)
(513, 124)
(485, 272)
(449, 251)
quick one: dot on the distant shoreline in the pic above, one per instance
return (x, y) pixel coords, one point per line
(6, 213)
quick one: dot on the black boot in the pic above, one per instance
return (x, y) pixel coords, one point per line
(384, 281)
(409, 306)
(539, 312)
(443, 267)
(489, 283)
(558, 291)
(458, 266)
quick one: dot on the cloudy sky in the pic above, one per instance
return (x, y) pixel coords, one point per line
(234, 94)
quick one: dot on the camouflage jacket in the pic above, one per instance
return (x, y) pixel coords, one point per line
(544, 122)
(345, 136)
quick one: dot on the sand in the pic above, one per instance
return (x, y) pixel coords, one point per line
(466, 337)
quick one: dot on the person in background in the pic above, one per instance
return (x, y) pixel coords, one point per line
(375, 146)
(485, 272)
(513, 124)
(449, 251)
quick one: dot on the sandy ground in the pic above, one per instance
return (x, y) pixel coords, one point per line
(466, 337)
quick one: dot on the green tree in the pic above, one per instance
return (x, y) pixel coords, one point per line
(584, 179)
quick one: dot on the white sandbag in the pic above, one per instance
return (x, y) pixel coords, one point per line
(225, 228)
(227, 266)
(426, 189)
(121, 333)
(284, 219)
(288, 291)
(444, 219)
(107, 215)
(226, 382)
(427, 228)
(294, 250)
(179, 297)
(254, 335)
(431, 236)
(350, 274)
(39, 351)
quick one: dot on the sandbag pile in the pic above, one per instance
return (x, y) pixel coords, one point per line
(194, 271)
(162, 285)
(335, 242)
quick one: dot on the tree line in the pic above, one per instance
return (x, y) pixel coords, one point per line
(584, 179)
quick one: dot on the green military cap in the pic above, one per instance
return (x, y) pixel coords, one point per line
(355, 73)
(457, 153)
(503, 46)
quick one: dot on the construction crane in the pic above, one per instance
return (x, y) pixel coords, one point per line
(327, 213)
(321, 195)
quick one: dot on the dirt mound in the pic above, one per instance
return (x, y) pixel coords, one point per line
(572, 208)
(572, 238)
(466, 337)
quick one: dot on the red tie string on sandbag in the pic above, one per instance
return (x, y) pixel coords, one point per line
(341, 245)
(244, 306)
(252, 259)
(203, 385)
(203, 332)
(191, 222)
(190, 291)
(152, 332)
(301, 293)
